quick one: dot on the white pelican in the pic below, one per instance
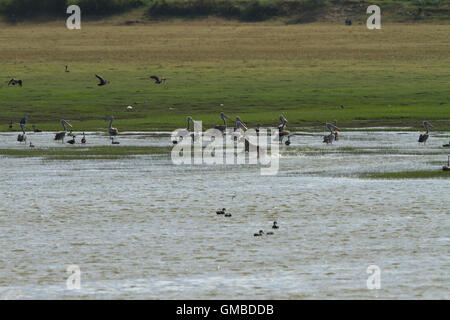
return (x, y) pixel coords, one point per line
(222, 127)
(60, 135)
(330, 138)
(112, 131)
(22, 137)
(424, 136)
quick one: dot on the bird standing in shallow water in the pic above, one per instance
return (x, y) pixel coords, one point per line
(22, 137)
(424, 136)
(60, 135)
(112, 131)
(83, 140)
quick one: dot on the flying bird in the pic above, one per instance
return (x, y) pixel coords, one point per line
(14, 82)
(157, 80)
(103, 82)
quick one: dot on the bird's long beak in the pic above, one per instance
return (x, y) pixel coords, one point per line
(243, 125)
(68, 124)
(430, 125)
(227, 117)
(336, 128)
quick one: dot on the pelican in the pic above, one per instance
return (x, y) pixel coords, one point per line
(60, 135)
(22, 137)
(112, 131)
(103, 82)
(185, 132)
(283, 133)
(330, 138)
(83, 140)
(223, 127)
(157, 80)
(447, 167)
(336, 133)
(14, 82)
(424, 136)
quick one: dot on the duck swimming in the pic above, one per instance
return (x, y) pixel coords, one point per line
(275, 226)
(227, 214)
(259, 234)
(221, 211)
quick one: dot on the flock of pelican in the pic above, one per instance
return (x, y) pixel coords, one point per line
(192, 130)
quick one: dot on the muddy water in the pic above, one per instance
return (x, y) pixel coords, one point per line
(142, 228)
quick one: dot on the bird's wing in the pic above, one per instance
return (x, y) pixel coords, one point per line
(155, 77)
(10, 81)
(100, 78)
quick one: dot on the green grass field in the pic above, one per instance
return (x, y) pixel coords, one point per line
(397, 76)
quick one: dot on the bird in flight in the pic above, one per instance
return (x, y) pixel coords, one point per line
(103, 82)
(14, 82)
(157, 80)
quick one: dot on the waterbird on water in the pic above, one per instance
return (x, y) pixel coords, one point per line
(223, 127)
(60, 135)
(83, 140)
(31, 145)
(330, 137)
(221, 211)
(259, 234)
(447, 167)
(72, 141)
(22, 137)
(281, 130)
(424, 136)
(36, 129)
(275, 225)
(114, 142)
(112, 131)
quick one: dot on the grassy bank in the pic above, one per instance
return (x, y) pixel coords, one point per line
(396, 76)
(409, 175)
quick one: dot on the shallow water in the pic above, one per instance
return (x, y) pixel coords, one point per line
(143, 228)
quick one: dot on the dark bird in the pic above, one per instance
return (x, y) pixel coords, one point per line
(227, 214)
(157, 80)
(60, 135)
(83, 140)
(11, 124)
(348, 22)
(259, 234)
(114, 142)
(22, 137)
(342, 106)
(14, 82)
(103, 82)
(275, 225)
(112, 131)
(223, 127)
(72, 141)
(67, 69)
(447, 167)
(424, 136)
(447, 145)
(31, 145)
(221, 211)
(36, 129)
(336, 133)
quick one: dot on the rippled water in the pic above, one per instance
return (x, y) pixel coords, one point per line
(141, 227)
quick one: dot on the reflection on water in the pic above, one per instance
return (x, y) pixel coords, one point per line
(141, 227)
